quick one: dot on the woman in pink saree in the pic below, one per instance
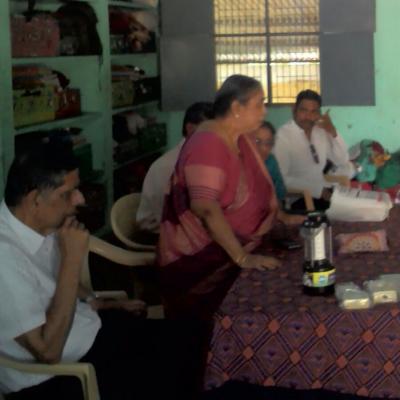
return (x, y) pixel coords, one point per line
(219, 204)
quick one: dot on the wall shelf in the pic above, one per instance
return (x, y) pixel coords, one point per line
(46, 60)
(128, 56)
(91, 74)
(57, 1)
(118, 166)
(59, 123)
(146, 61)
(127, 4)
(134, 107)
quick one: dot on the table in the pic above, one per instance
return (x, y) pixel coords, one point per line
(267, 332)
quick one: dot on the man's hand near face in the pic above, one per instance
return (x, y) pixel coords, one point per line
(73, 242)
(47, 341)
(326, 123)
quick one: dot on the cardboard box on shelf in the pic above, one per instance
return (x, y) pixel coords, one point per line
(34, 106)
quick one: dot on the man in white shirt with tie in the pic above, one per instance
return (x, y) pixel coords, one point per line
(305, 144)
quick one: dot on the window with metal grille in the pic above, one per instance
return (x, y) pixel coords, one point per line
(274, 41)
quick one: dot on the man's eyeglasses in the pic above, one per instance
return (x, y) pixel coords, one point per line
(267, 143)
(314, 153)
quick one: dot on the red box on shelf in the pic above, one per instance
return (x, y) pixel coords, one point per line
(68, 103)
(38, 37)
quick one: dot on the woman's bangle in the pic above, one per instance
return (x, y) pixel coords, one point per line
(241, 259)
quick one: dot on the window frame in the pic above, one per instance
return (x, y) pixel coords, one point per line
(268, 35)
(185, 80)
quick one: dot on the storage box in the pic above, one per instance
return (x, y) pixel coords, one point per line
(39, 37)
(122, 93)
(147, 89)
(68, 103)
(153, 137)
(118, 44)
(127, 150)
(34, 106)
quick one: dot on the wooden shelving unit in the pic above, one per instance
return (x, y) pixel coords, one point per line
(91, 74)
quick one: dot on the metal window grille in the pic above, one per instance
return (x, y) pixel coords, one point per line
(274, 41)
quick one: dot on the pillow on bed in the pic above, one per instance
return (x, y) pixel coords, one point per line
(362, 241)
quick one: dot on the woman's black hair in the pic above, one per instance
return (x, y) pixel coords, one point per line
(269, 126)
(236, 87)
(197, 113)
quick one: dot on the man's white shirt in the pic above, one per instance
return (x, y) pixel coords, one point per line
(155, 184)
(298, 167)
(28, 276)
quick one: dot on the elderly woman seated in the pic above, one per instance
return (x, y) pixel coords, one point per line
(264, 139)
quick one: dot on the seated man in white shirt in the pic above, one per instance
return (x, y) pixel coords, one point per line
(303, 147)
(46, 315)
(149, 212)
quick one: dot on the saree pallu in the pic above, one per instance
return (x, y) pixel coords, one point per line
(195, 272)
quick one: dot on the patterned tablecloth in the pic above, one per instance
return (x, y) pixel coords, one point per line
(268, 332)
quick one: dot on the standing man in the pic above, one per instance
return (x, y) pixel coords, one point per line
(305, 144)
(152, 199)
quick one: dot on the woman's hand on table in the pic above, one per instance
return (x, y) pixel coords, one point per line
(260, 262)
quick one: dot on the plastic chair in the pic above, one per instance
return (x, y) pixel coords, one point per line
(85, 371)
(128, 258)
(294, 192)
(123, 221)
(341, 180)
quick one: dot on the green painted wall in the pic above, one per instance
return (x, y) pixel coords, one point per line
(380, 122)
(174, 122)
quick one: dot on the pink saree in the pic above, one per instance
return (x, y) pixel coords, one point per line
(195, 271)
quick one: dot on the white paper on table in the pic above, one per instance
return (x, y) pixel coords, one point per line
(351, 204)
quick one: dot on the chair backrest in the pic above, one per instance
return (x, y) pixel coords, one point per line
(342, 180)
(115, 254)
(296, 193)
(85, 372)
(86, 280)
(123, 221)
